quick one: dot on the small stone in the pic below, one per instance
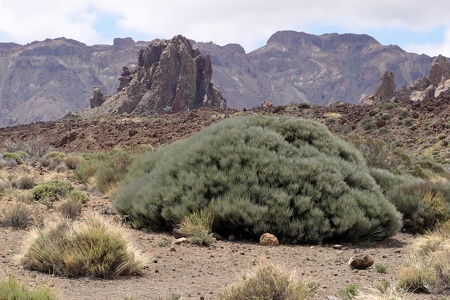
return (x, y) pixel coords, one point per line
(231, 237)
(337, 247)
(180, 241)
(178, 234)
(360, 262)
(172, 249)
(268, 239)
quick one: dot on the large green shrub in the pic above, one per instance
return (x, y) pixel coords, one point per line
(287, 176)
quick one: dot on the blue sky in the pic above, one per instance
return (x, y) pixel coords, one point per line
(407, 23)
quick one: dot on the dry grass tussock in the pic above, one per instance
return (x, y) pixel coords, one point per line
(88, 247)
(428, 266)
(269, 282)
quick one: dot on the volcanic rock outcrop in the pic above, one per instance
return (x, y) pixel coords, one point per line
(437, 83)
(170, 76)
(385, 89)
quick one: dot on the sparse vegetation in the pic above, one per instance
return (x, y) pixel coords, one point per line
(264, 174)
(269, 282)
(381, 268)
(11, 289)
(19, 216)
(349, 292)
(90, 247)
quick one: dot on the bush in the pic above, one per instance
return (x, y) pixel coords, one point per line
(54, 154)
(18, 216)
(304, 105)
(25, 182)
(269, 282)
(428, 266)
(287, 176)
(70, 209)
(72, 162)
(14, 157)
(424, 205)
(77, 195)
(52, 190)
(81, 248)
(11, 289)
(108, 169)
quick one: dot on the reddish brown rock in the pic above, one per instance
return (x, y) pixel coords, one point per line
(361, 262)
(268, 239)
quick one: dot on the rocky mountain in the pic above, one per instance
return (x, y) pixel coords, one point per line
(45, 80)
(299, 67)
(170, 77)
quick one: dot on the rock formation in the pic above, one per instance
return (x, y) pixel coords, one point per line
(437, 83)
(439, 71)
(170, 76)
(97, 98)
(385, 89)
(125, 78)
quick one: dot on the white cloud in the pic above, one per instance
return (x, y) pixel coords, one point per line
(247, 22)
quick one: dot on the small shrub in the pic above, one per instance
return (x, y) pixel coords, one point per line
(54, 163)
(25, 183)
(423, 205)
(112, 170)
(14, 157)
(388, 105)
(72, 162)
(54, 154)
(52, 190)
(86, 170)
(70, 209)
(385, 117)
(90, 247)
(43, 162)
(408, 121)
(349, 292)
(19, 216)
(269, 282)
(10, 289)
(304, 105)
(77, 195)
(380, 268)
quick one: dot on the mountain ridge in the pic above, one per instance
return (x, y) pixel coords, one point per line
(44, 80)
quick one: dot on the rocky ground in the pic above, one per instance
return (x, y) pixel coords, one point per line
(196, 272)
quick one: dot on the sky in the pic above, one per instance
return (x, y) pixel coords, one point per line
(414, 25)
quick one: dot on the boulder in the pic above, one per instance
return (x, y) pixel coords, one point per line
(268, 239)
(361, 262)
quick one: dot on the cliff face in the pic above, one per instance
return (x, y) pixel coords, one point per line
(298, 67)
(45, 80)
